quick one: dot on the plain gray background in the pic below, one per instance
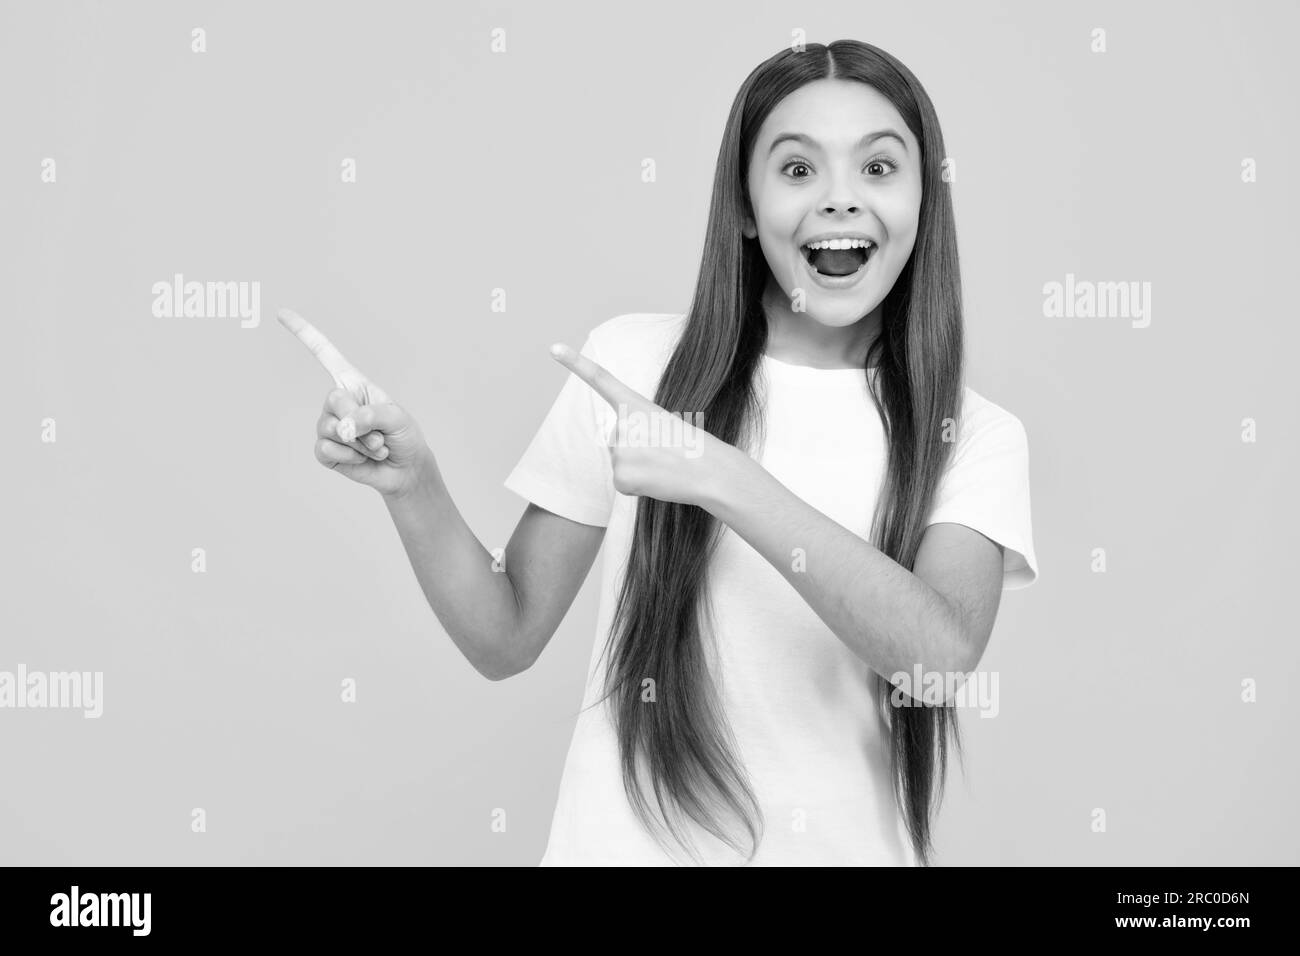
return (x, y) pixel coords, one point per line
(1119, 690)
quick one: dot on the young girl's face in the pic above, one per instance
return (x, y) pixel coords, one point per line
(854, 170)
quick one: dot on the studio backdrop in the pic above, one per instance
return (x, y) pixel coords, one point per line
(447, 189)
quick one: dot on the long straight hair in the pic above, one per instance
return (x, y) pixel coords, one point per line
(681, 740)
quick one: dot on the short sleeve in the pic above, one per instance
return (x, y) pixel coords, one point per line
(566, 468)
(986, 487)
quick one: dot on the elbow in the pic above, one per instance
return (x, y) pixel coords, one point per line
(498, 670)
(494, 673)
(515, 653)
(961, 657)
(502, 663)
(967, 650)
(960, 649)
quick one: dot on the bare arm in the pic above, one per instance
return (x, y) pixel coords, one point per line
(499, 614)
(938, 617)
(499, 619)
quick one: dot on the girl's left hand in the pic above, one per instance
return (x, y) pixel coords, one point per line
(655, 453)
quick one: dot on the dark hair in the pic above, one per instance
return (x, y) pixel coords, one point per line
(682, 740)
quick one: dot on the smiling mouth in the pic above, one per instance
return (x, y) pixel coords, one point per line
(838, 262)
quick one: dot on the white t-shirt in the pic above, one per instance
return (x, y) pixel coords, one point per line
(800, 704)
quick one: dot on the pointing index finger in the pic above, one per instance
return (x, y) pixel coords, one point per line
(317, 344)
(346, 375)
(599, 378)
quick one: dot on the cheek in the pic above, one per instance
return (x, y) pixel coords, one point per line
(901, 221)
(779, 252)
(779, 216)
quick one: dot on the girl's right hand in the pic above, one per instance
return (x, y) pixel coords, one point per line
(346, 432)
(362, 433)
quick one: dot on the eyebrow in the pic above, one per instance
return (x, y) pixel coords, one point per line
(813, 144)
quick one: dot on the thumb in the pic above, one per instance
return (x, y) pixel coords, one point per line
(385, 418)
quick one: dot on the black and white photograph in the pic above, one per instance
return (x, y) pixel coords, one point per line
(576, 434)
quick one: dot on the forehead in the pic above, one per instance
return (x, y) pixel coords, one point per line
(836, 113)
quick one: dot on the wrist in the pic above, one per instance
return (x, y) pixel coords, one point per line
(727, 475)
(423, 476)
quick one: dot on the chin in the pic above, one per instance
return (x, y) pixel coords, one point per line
(839, 313)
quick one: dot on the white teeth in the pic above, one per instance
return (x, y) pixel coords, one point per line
(840, 244)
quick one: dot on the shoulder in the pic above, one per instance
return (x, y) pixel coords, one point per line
(634, 331)
(986, 423)
(636, 346)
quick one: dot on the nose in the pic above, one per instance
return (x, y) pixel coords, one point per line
(839, 198)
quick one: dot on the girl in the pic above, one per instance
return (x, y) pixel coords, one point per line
(829, 524)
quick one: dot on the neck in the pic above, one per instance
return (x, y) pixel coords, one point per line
(797, 338)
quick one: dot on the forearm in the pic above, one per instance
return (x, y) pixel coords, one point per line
(885, 614)
(475, 604)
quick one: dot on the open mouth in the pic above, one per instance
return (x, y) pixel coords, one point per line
(838, 257)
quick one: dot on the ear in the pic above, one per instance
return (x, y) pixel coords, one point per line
(747, 226)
